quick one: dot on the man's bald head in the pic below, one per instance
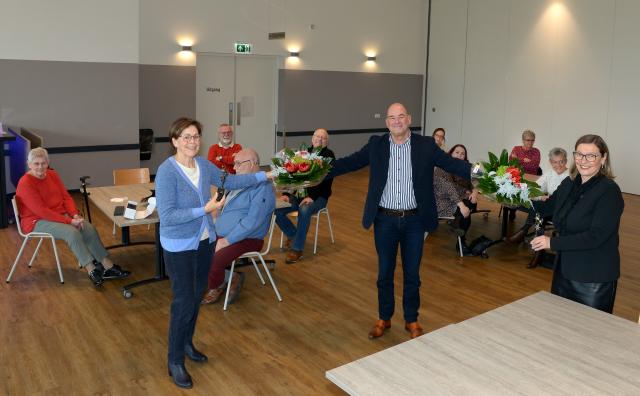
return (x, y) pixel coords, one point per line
(320, 138)
(398, 121)
(246, 161)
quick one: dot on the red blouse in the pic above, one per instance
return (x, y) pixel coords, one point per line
(43, 199)
(533, 155)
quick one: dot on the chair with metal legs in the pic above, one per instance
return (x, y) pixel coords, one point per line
(35, 235)
(252, 256)
(323, 211)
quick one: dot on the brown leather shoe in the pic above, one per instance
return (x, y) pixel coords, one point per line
(536, 260)
(237, 281)
(518, 237)
(414, 328)
(379, 328)
(212, 296)
(293, 256)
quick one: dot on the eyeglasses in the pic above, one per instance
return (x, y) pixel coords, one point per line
(400, 117)
(529, 140)
(581, 157)
(238, 163)
(190, 138)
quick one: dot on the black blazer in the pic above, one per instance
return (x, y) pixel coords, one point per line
(588, 242)
(425, 155)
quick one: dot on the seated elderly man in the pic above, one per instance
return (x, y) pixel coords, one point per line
(46, 206)
(241, 227)
(316, 199)
(221, 154)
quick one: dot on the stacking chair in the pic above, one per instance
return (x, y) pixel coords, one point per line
(323, 211)
(35, 235)
(123, 177)
(131, 176)
(252, 256)
(485, 214)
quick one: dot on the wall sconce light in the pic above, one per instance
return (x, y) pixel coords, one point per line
(187, 48)
(294, 54)
(371, 58)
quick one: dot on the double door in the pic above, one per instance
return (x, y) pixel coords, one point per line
(240, 90)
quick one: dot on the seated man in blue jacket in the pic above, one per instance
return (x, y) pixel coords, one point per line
(241, 227)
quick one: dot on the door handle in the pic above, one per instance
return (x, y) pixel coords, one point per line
(230, 113)
(238, 111)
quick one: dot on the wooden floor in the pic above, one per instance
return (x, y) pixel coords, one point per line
(73, 339)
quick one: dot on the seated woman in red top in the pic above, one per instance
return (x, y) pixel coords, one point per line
(528, 155)
(46, 206)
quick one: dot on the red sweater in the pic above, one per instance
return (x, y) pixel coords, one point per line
(43, 199)
(226, 162)
(520, 153)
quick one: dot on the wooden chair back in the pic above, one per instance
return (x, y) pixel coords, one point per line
(131, 176)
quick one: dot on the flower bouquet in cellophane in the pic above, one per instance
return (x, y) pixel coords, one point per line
(297, 170)
(503, 180)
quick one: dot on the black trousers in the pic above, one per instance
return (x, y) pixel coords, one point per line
(598, 295)
(188, 272)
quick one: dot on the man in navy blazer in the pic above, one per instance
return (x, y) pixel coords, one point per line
(401, 206)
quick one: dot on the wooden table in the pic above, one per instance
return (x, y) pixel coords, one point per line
(540, 345)
(101, 197)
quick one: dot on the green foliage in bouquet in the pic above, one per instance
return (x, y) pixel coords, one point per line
(304, 166)
(503, 180)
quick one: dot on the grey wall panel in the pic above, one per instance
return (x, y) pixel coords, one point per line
(166, 93)
(310, 99)
(99, 165)
(71, 103)
(74, 104)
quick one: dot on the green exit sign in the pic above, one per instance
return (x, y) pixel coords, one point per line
(243, 48)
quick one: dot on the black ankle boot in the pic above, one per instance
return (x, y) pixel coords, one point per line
(195, 355)
(180, 375)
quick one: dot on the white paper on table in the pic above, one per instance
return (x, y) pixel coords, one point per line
(151, 206)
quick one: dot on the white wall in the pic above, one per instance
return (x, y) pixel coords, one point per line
(70, 30)
(343, 31)
(561, 68)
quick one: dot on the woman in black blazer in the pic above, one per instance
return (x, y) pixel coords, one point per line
(586, 211)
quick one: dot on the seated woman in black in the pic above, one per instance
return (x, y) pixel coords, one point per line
(455, 197)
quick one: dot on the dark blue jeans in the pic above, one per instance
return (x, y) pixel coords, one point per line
(390, 232)
(188, 273)
(298, 233)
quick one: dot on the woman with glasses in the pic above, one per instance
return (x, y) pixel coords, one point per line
(586, 212)
(439, 135)
(46, 206)
(528, 155)
(529, 158)
(188, 235)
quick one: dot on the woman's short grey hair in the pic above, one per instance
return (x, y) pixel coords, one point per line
(557, 152)
(37, 152)
(528, 133)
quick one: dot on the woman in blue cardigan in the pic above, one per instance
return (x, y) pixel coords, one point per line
(188, 236)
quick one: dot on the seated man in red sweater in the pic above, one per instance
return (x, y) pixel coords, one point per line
(46, 206)
(222, 153)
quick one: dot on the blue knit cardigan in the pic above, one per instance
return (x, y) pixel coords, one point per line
(181, 205)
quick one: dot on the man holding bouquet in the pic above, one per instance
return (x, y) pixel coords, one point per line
(401, 206)
(316, 199)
